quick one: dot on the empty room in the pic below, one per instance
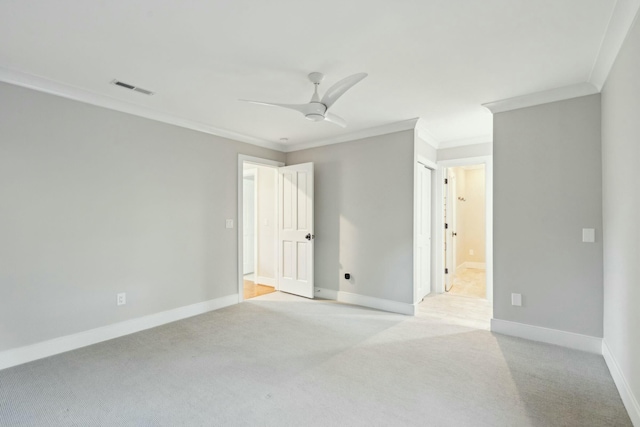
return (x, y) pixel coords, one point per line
(290, 213)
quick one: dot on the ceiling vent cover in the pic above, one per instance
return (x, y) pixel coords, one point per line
(131, 87)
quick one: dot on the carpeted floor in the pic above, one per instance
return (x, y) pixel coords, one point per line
(278, 360)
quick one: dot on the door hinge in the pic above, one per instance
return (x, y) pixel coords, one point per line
(446, 225)
(446, 181)
(446, 271)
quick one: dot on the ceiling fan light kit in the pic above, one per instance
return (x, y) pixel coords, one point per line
(317, 108)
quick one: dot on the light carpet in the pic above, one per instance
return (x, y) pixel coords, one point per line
(279, 360)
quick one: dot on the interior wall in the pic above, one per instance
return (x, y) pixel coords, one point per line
(621, 211)
(267, 224)
(249, 220)
(473, 216)
(364, 215)
(96, 202)
(547, 187)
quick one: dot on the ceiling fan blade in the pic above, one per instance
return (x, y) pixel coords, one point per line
(338, 89)
(302, 108)
(337, 120)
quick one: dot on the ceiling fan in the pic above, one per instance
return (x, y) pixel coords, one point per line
(317, 109)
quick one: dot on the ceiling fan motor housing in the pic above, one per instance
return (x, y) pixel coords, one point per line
(316, 111)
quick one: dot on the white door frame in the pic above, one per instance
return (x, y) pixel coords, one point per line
(467, 161)
(435, 260)
(242, 158)
(253, 173)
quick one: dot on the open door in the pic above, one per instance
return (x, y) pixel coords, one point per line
(450, 227)
(295, 224)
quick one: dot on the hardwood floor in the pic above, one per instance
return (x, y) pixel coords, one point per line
(252, 290)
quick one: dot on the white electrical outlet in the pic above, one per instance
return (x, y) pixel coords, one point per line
(516, 299)
(229, 223)
(471, 251)
(122, 298)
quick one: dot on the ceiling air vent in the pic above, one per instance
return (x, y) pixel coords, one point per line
(131, 87)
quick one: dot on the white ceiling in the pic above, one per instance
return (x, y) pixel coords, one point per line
(434, 59)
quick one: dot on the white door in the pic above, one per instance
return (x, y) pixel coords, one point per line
(424, 231)
(295, 223)
(450, 224)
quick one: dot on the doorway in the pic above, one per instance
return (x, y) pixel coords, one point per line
(453, 264)
(258, 227)
(275, 228)
(465, 231)
(258, 236)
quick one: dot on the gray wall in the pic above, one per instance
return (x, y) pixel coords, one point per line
(621, 209)
(364, 215)
(547, 187)
(95, 202)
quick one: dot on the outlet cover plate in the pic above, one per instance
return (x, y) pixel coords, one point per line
(122, 298)
(516, 299)
(588, 235)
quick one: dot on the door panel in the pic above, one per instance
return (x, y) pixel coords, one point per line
(450, 220)
(296, 239)
(424, 232)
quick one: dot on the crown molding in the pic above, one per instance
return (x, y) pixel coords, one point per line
(544, 97)
(42, 84)
(424, 134)
(624, 14)
(484, 139)
(352, 136)
(63, 90)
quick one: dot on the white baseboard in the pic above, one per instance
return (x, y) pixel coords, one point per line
(628, 398)
(470, 264)
(366, 301)
(550, 336)
(478, 265)
(326, 293)
(20, 355)
(269, 281)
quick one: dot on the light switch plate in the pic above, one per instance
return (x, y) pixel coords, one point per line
(588, 235)
(229, 223)
(516, 299)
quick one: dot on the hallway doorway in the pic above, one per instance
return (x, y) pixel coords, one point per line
(465, 228)
(259, 235)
